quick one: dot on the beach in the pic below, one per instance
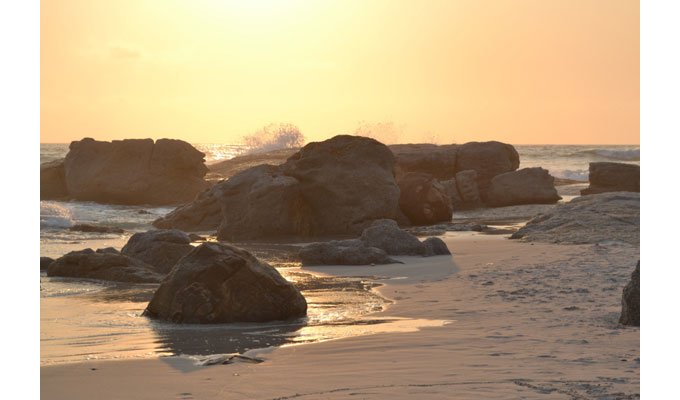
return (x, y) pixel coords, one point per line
(500, 319)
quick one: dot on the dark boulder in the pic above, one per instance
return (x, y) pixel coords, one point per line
(466, 182)
(134, 171)
(45, 262)
(386, 235)
(343, 252)
(219, 283)
(423, 199)
(95, 228)
(103, 264)
(158, 248)
(524, 186)
(438, 161)
(52, 180)
(488, 159)
(435, 247)
(612, 177)
(630, 310)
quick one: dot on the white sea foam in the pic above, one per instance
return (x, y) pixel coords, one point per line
(54, 215)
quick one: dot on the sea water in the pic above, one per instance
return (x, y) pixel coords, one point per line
(88, 319)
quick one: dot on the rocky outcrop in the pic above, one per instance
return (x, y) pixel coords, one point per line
(612, 177)
(103, 264)
(134, 171)
(158, 248)
(337, 186)
(423, 199)
(466, 183)
(343, 252)
(89, 228)
(630, 302)
(488, 159)
(588, 219)
(219, 283)
(52, 180)
(233, 166)
(437, 161)
(45, 262)
(524, 186)
(386, 235)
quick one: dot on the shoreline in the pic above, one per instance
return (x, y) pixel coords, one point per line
(504, 296)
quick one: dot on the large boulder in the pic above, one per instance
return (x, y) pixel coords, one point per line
(612, 177)
(438, 161)
(468, 190)
(630, 302)
(52, 180)
(338, 186)
(423, 199)
(343, 252)
(386, 235)
(488, 159)
(159, 248)
(524, 186)
(134, 171)
(103, 264)
(219, 283)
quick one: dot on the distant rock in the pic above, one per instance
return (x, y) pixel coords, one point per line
(488, 159)
(423, 199)
(435, 247)
(588, 219)
(466, 182)
(219, 283)
(158, 248)
(45, 262)
(337, 186)
(343, 252)
(52, 180)
(104, 265)
(630, 302)
(437, 161)
(386, 235)
(95, 228)
(612, 177)
(134, 171)
(524, 186)
(233, 166)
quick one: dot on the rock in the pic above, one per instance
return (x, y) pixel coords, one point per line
(45, 262)
(104, 265)
(423, 199)
(435, 247)
(343, 252)
(386, 235)
(451, 190)
(488, 159)
(143, 212)
(158, 248)
(466, 182)
(334, 187)
(437, 161)
(196, 238)
(108, 250)
(95, 228)
(218, 283)
(134, 171)
(233, 166)
(612, 177)
(524, 186)
(630, 302)
(588, 219)
(52, 180)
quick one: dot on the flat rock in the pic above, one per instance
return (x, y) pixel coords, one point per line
(95, 228)
(103, 264)
(437, 161)
(524, 186)
(343, 252)
(612, 177)
(219, 283)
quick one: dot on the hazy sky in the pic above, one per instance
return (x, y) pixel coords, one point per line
(519, 71)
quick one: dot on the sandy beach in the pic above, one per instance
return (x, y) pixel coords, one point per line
(501, 319)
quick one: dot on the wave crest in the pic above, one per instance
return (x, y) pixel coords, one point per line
(53, 215)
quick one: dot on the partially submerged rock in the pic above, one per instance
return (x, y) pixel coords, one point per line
(103, 264)
(434, 246)
(52, 180)
(134, 171)
(95, 228)
(386, 235)
(423, 199)
(612, 177)
(588, 219)
(343, 252)
(524, 186)
(630, 301)
(45, 262)
(159, 248)
(219, 283)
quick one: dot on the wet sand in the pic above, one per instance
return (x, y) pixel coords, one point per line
(527, 320)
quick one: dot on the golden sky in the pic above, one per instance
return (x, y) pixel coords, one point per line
(519, 71)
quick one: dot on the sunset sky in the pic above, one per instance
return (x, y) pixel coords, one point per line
(519, 71)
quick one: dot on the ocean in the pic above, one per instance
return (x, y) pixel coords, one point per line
(85, 319)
